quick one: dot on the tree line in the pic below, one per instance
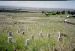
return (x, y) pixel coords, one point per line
(58, 12)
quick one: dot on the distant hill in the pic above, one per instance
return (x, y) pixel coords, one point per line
(31, 9)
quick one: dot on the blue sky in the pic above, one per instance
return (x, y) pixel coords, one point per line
(40, 4)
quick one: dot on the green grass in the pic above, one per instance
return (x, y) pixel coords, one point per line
(51, 25)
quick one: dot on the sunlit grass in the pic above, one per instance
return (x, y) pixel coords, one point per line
(51, 25)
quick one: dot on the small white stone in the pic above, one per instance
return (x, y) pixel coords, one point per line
(10, 39)
(10, 34)
(41, 34)
(27, 42)
(66, 20)
(68, 16)
(59, 36)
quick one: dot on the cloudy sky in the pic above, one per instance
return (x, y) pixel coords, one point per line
(40, 4)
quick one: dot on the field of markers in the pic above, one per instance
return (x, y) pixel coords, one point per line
(35, 32)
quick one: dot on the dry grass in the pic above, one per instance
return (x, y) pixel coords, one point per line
(32, 24)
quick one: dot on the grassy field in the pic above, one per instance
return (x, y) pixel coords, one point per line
(32, 24)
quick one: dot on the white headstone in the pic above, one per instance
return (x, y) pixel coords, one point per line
(41, 34)
(10, 39)
(27, 42)
(10, 34)
(59, 36)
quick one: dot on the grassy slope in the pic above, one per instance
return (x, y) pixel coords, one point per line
(33, 26)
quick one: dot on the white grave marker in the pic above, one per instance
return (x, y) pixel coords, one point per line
(27, 42)
(10, 34)
(10, 39)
